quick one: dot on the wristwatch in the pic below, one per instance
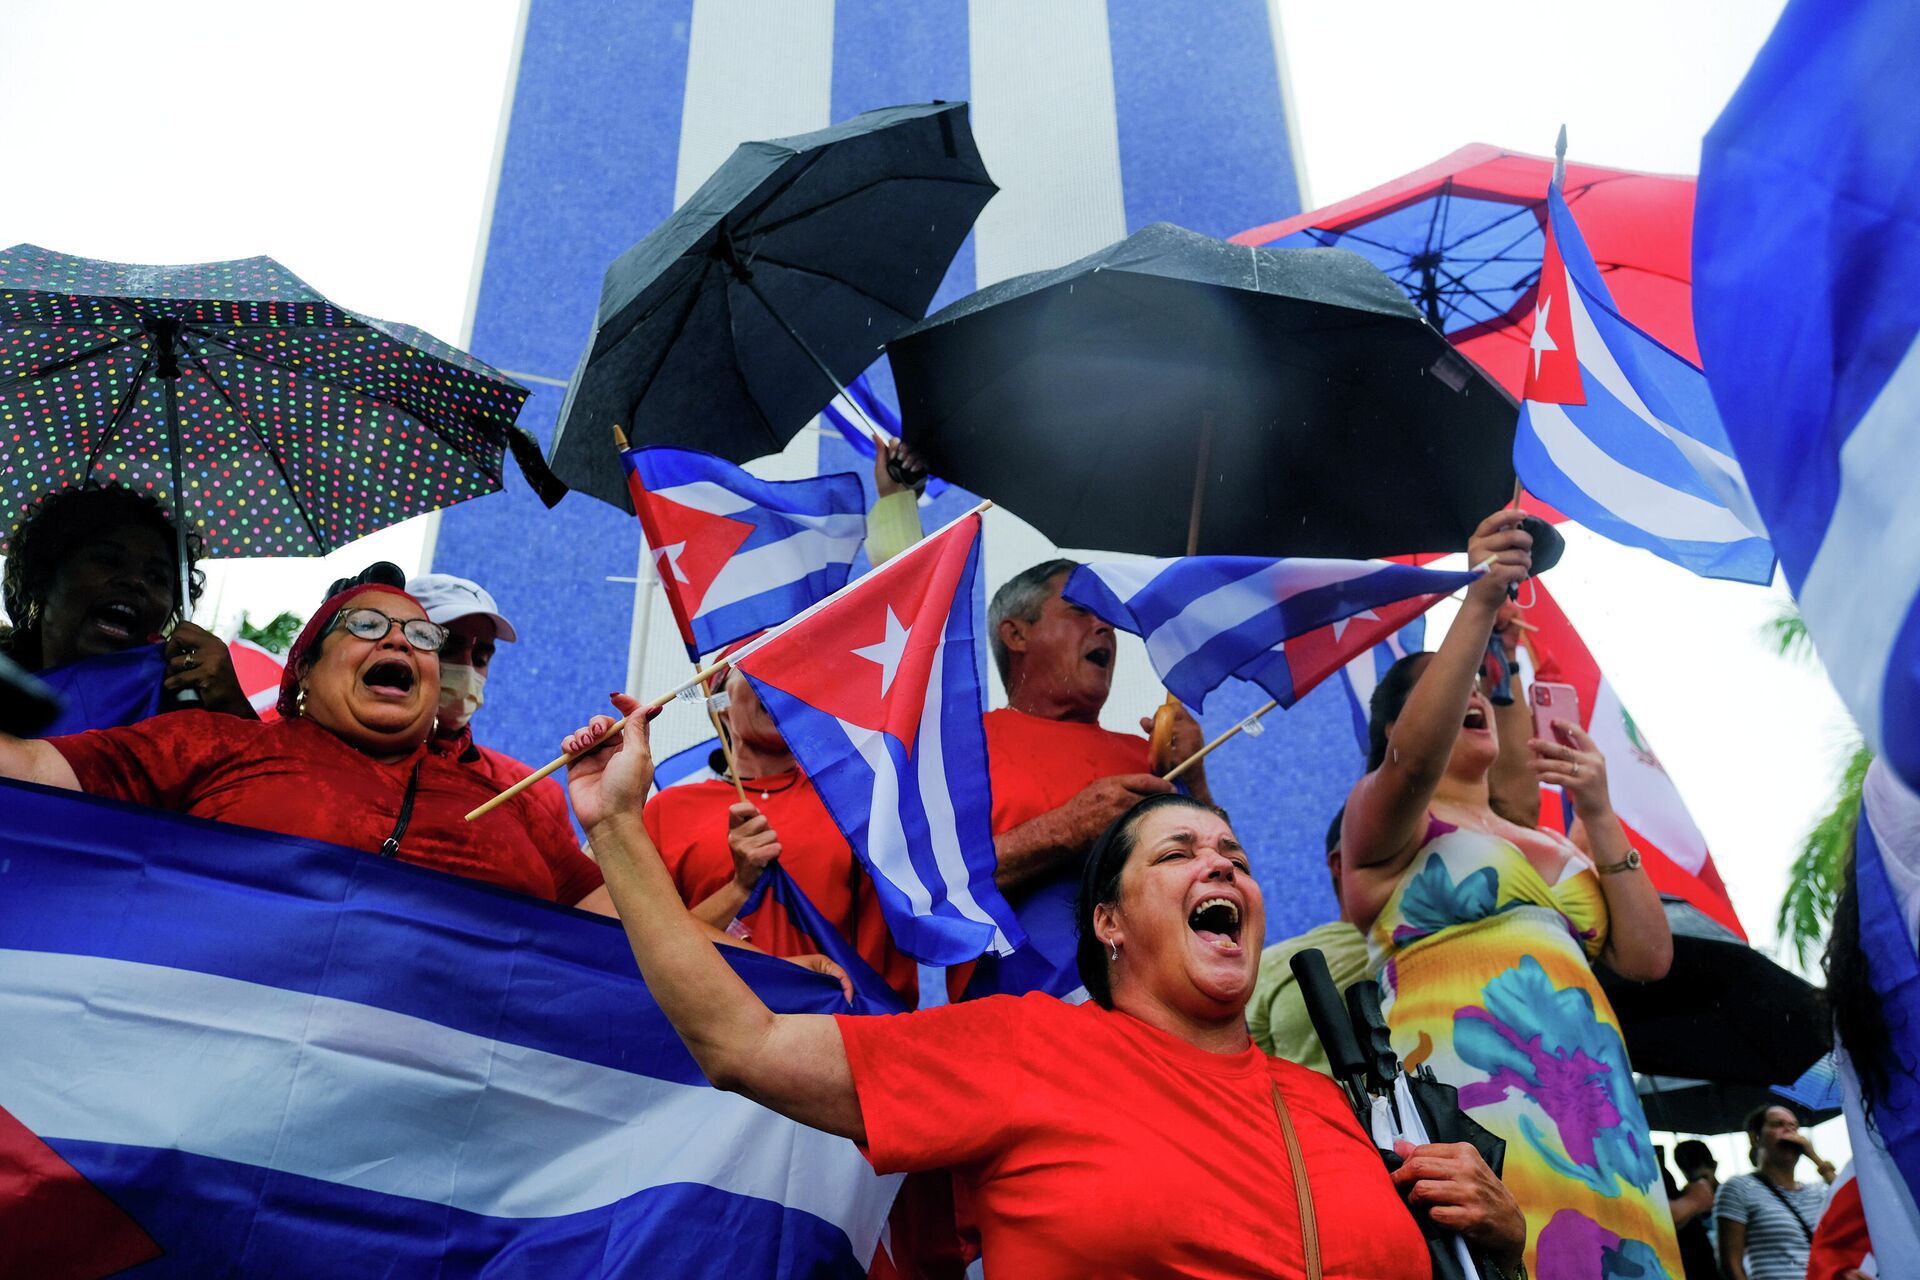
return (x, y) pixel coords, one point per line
(1629, 863)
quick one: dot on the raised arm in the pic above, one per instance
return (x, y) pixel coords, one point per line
(31, 760)
(1387, 810)
(795, 1064)
(1639, 940)
(1512, 790)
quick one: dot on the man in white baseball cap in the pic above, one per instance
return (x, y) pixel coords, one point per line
(475, 625)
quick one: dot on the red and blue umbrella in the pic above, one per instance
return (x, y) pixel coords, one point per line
(1463, 237)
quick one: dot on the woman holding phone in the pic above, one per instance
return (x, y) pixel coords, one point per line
(1483, 932)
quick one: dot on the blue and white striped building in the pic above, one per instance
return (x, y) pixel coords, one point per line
(1095, 117)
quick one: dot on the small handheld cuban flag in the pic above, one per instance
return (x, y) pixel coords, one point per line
(1284, 624)
(878, 692)
(1807, 302)
(1621, 434)
(735, 553)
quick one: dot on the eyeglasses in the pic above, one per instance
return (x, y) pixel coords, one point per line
(371, 624)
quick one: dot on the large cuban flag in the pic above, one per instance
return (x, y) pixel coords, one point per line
(735, 553)
(1621, 434)
(1363, 673)
(879, 693)
(1285, 624)
(1807, 302)
(243, 1054)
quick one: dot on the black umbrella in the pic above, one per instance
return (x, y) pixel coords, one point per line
(1700, 1106)
(1174, 393)
(1724, 1013)
(271, 420)
(731, 325)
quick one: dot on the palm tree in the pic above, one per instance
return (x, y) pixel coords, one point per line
(1813, 882)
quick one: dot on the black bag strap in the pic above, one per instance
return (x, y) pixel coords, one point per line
(391, 845)
(1781, 1196)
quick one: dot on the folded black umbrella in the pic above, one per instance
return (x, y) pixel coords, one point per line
(730, 326)
(1318, 410)
(1724, 1013)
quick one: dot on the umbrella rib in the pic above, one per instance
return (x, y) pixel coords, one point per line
(1519, 210)
(810, 271)
(120, 412)
(67, 362)
(808, 212)
(726, 300)
(273, 455)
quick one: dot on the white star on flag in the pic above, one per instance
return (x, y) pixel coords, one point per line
(887, 651)
(1365, 615)
(1541, 341)
(667, 560)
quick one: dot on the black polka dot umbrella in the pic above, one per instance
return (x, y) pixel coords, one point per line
(276, 422)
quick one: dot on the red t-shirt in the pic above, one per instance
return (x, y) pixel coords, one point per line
(688, 824)
(294, 777)
(502, 771)
(1086, 1143)
(1038, 765)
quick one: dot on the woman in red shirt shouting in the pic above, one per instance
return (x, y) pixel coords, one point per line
(1141, 1134)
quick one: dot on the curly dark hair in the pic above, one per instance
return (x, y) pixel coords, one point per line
(49, 531)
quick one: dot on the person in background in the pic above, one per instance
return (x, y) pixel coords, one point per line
(1138, 1134)
(91, 583)
(475, 626)
(1484, 933)
(1765, 1219)
(1692, 1207)
(1277, 1014)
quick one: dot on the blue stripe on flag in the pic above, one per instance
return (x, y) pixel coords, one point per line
(204, 1209)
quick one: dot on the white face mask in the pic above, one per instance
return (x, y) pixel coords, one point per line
(460, 695)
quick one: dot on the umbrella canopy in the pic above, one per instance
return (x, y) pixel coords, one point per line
(1321, 413)
(728, 328)
(1724, 1013)
(1463, 237)
(271, 420)
(1698, 1106)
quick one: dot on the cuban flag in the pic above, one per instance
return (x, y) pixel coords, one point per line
(240, 1053)
(1886, 1141)
(1362, 674)
(695, 764)
(738, 554)
(1621, 434)
(1285, 624)
(108, 690)
(1807, 303)
(878, 691)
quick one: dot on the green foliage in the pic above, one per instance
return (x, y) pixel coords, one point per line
(1813, 882)
(276, 636)
(1788, 631)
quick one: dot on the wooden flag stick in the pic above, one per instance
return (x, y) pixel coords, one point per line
(726, 749)
(1207, 750)
(700, 676)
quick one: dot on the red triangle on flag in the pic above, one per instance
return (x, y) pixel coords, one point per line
(1553, 365)
(865, 655)
(54, 1224)
(689, 546)
(1319, 653)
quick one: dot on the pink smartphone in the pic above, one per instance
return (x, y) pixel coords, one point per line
(1552, 702)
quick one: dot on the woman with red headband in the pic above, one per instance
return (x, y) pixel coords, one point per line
(350, 761)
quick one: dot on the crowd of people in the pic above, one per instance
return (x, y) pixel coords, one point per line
(1175, 1122)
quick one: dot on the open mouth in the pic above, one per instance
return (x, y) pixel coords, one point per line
(115, 620)
(392, 678)
(1476, 719)
(1217, 921)
(1101, 657)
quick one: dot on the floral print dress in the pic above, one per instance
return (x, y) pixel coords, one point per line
(1484, 970)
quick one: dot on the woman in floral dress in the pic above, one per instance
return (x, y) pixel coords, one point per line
(1483, 932)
